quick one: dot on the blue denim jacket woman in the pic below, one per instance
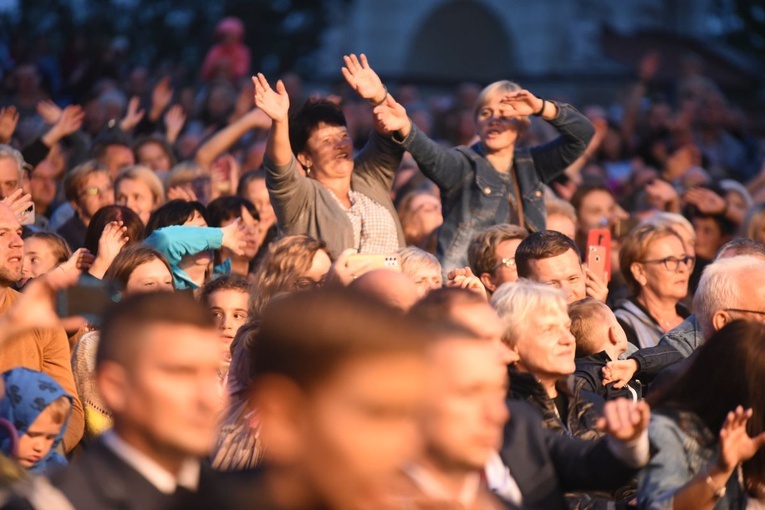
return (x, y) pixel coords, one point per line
(477, 183)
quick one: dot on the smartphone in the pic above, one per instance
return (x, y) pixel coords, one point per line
(88, 299)
(28, 216)
(377, 261)
(598, 256)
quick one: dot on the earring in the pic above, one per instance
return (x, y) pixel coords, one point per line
(308, 169)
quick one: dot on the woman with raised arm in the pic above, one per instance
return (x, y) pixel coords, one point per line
(492, 181)
(317, 187)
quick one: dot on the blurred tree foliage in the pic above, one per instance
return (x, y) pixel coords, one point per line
(281, 34)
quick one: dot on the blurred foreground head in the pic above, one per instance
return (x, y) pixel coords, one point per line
(338, 382)
(156, 371)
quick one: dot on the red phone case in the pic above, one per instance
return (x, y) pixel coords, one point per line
(600, 237)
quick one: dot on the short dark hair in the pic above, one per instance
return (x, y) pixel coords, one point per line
(306, 336)
(483, 246)
(125, 321)
(225, 282)
(174, 212)
(225, 208)
(76, 178)
(542, 245)
(108, 214)
(313, 112)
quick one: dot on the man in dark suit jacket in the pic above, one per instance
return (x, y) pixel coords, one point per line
(156, 370)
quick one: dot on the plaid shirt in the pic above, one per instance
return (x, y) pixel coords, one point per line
(374, 230)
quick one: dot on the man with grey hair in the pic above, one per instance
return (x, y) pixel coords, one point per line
(732, 287)
(11, 170)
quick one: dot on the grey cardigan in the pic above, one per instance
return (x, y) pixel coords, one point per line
(304, 206)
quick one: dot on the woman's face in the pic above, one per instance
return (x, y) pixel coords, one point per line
(257, 193)
(659, 280)
(426, 214)
(149, 277)
(38, 258)
(316, 273)
(426, 279)
(496, 129)
(154, 156)
(136, 196)
(709, 237)
(329, 153)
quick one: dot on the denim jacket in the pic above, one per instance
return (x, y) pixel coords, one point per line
(474, 195)
(684, 446)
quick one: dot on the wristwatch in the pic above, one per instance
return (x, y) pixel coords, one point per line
(718, 493)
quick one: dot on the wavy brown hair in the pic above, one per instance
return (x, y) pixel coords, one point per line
(287, 259)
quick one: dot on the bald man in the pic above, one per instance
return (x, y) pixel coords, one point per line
(391, 287)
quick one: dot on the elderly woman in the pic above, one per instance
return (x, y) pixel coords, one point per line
(708, 431)
(316, 186)
(657, 267)
(492, 181)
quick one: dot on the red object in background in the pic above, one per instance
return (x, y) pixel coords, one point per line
(598, 256)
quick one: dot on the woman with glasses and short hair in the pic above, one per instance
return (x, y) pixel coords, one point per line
(657, 267)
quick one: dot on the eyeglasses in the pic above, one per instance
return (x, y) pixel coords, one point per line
(756, 312)
(305, 283)
(507, 262)
(672, 263)
(95, 191)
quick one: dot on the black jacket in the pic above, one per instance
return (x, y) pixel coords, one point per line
(589, 374)
(545, 465)
(99, 479)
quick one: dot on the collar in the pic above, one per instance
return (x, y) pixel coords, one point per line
(434, 489)
(187, 477)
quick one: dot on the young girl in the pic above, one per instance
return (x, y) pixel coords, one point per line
(39, 409)
(42, 252)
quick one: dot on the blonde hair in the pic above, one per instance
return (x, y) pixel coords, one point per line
(147, 176)
(672, 220)
(501, 88)
(413, 260)
(585, 315)
(556, 206)
(635, 248)
(516, 302)
(753, 223)
(286, 260)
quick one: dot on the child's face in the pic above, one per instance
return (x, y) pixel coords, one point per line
(229, 307)
(37, 442)
(38, 258)
(611, 322)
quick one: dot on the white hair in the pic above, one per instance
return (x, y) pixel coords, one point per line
(413, 260)
(516, 302)
(719, 288)
(8, 152)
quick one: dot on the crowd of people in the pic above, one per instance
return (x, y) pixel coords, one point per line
(238, 295)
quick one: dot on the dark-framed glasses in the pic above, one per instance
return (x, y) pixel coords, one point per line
(305, 283)
(672, 263)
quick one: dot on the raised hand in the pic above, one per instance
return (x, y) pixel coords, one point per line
(465, 279)
(274, 103)
(175, 118)
(110, 243)
(182, 193)
(235, 237)
(224, 175)
(392, 117)
(735, 444)
(347, 268)
(80, 261)
(49, 111)
(706, 201)
(9, 117)
(133, 115)
(362, 78)
(624, 419)
(161, 96)
(596, 285)
(522, 103)
(19, 202)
